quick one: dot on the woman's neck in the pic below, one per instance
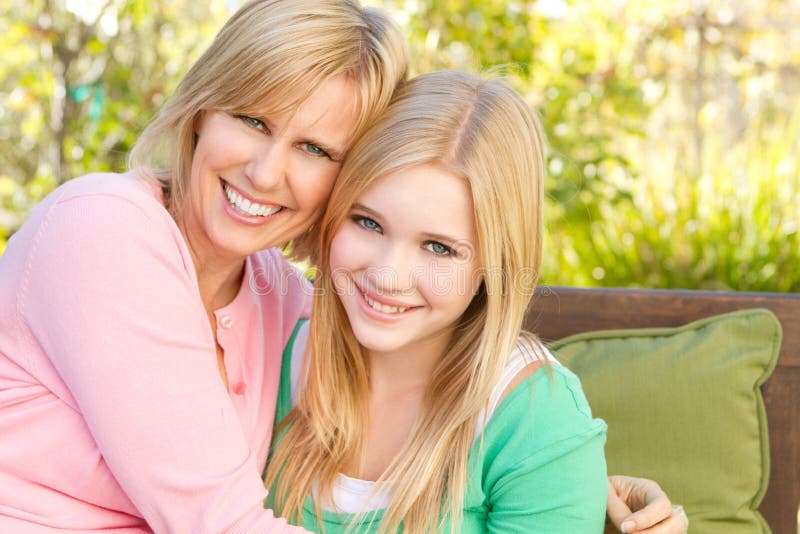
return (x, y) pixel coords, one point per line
(218, 277)
(219, 285)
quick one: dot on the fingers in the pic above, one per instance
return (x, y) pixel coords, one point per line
(677, 523)
(658, 509)
(653, 507)
(616, 508)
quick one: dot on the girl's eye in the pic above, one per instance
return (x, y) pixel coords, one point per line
(314, 150)
(253, 122)
(367, 223)
(439, 249)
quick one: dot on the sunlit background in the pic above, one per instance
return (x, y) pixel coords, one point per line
(673, 125)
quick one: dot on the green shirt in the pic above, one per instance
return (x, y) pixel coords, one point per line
(541, 468)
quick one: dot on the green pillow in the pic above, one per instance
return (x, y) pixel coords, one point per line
(684, 408)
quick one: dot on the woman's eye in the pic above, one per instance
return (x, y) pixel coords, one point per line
(253, 122)
(314, 150)
(439, 249)
(367, 223)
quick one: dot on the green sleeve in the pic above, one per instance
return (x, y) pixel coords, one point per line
(284, 402)
(544, 467)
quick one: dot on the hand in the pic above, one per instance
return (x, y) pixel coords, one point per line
(653, 511)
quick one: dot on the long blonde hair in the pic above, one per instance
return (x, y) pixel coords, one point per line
(269, 57)
(480, 129)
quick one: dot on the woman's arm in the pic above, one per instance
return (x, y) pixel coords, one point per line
(110, 297)
(653, 511)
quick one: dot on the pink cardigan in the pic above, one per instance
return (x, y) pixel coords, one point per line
(113, 414)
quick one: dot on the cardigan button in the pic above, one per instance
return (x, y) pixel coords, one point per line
(226, 321)
(240, 388)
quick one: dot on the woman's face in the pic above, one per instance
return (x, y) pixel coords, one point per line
(404, 262)
(260, 181)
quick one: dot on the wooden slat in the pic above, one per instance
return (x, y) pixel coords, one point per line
(557, 312)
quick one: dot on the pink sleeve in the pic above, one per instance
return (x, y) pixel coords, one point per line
(108, 296)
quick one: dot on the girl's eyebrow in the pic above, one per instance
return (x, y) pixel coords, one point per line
(443, 237)
(362, 207)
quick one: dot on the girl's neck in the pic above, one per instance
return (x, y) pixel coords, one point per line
(398, 381)
(407, 369)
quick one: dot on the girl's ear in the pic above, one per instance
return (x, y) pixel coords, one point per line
(479, 288)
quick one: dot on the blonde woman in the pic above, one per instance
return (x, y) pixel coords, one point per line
(143, 315)
(429, 408)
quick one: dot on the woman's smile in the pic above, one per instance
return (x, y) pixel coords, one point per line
(243, 209)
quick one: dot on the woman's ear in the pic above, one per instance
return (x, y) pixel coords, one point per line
(197, 122)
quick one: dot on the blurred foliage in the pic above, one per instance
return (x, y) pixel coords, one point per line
(673, 126)
(79, 79)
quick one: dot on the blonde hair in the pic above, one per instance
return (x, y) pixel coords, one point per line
(274, 54)
(480, 129)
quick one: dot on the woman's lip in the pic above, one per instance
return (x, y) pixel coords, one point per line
(249, 220)
(248, 197)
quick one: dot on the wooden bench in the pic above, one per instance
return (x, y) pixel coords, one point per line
(558, 312)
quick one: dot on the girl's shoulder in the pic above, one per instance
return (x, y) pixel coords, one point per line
(538, 395)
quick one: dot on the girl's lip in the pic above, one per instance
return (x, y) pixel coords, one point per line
(380, 299)
(371, 312)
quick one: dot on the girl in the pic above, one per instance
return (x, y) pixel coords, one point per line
(428, 408)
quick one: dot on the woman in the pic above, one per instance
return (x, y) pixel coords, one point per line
(142, 319)
(142, 316)
(429, 409)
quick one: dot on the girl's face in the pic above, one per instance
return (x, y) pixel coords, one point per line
(404, 262)
(260, 181)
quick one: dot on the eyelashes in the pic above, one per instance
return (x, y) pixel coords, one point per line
(440, 249)
(307, 147)
(367, 223)
(435, 247)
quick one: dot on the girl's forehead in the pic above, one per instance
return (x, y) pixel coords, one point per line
(423, 197)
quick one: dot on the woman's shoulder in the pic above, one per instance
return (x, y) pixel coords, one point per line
(134, 187)
(103, 210)
(119, 205)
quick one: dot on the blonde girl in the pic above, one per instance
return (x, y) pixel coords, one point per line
(428, 408)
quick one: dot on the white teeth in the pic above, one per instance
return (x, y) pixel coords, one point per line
(383, 307)
(243, 205)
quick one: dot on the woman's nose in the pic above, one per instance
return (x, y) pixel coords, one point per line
(268, 166)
